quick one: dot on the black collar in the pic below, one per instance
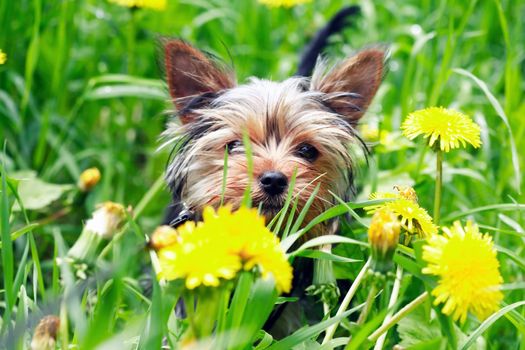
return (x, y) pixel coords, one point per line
(184, 215)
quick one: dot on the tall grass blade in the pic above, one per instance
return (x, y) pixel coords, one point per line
(7, 248)
(488, 322)
(501, 113)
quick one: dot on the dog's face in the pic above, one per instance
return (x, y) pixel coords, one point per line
(298, 129)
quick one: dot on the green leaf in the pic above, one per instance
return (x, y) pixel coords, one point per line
(37, 194)
(262, 298)
(417, 328)
(265, 340)
(238, 305)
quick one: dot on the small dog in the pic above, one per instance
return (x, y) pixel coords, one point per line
(301, 125)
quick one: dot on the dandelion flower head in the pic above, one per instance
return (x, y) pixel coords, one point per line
(469, 279)
(448, 127)
(414, 219)
(224, 243)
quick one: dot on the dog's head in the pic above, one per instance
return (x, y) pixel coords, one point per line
(300, 126)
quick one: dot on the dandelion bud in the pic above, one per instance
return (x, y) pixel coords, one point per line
(88, 179)
(383, 236)
(163, 236)
(46, 333)
(106, 219)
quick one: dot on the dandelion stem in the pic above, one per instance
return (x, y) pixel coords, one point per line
(398, 316)
(393, 300)
(330, 331)
(368, 305)
(439, 182)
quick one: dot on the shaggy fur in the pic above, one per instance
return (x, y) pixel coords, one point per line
(279, 118)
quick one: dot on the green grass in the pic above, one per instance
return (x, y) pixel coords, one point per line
(83, 87)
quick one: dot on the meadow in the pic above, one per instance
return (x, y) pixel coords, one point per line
(82, 87)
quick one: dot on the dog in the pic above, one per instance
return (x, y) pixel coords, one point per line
(302, 125)
(299, 129)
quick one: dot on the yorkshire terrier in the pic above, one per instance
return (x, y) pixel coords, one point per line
(303, 125)
(300, 128)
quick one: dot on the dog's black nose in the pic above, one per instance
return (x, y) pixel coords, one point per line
(273, 182)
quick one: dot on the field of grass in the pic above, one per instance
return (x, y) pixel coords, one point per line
(83, 87)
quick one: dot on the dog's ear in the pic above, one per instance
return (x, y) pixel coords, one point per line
(351, 85)
(191, 73)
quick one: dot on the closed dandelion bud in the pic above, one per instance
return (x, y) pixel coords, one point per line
(106, 221)
(46, 333)
(88, 179)
(163, 236)
(383, 236)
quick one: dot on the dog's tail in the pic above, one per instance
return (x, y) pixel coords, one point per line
(315, 47)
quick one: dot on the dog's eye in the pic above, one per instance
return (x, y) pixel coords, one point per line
(307, 152)
(233, 145)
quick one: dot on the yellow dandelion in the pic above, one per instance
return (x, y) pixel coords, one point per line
(468, 269)
(283, 3)
(253, 242)
(152, 4)
(450, 127)
(3, 57)
(88, 179)
(224, 243)
(414, 219)
(199, 257)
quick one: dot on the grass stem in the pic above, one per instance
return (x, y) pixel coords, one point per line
(439, 184)
(398, 316)
(368, 305)
(330, 331)
(393, 300)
